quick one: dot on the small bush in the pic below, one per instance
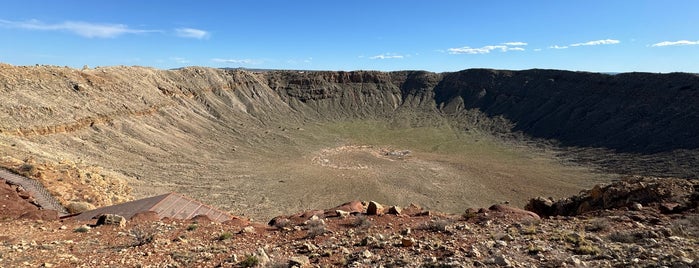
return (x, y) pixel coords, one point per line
(469, 214)
(250, 261)
(142, 236)
(362, 222)
(598, 225)
(225, 236)
(28, 170)
(82, 229)
(192, 227)
(686, 227)
(316, 228)
(529, 230)
(626, 237)
(587, 250)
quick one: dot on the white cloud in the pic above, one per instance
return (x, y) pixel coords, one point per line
(483, 50)
(237, 61)
(515, 43)
(179, 60)
(675, 43)
(85, 29)
(386, 56)
(597, 42)
(192, 33)
(558, 47)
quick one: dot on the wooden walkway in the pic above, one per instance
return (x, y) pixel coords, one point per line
(39, 192)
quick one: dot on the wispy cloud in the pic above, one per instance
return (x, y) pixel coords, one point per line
(588, 43)
(597, 43)
(676, 43)
(192, 33)
(515, 43)
(180, 60)
(237, 61)
(84, 29)
(387, 56)
(503, 47)
(558, 47)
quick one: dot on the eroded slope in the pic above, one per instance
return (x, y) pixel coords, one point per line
(250, 142)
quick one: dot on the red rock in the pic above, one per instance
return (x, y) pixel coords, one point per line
(517, 212)
(40, 215)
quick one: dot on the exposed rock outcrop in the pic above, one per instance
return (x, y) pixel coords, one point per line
(669, 194)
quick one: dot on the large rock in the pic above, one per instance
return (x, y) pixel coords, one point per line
(374, 208)
(670, 195)
(78, 207)
(111, 219)
(514, 212)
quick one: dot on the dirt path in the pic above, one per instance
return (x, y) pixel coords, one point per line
(40, 194)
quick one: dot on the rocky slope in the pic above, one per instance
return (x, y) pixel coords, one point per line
(625, 224)
(211, 133)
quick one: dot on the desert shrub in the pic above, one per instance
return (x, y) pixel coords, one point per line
(469, 214)
(587, 250)
(626, 237)
(225, 236)
(362, 222)
(316, 228)
(192, 227)
(250, 261)
(183, 257)
(687, 227)
(82, 229)
(142, 236)
(27, 170)
(528, 230)
(597, 225)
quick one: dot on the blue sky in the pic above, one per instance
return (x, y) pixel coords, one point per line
(592, 35)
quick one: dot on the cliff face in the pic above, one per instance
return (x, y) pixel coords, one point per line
(633, 112)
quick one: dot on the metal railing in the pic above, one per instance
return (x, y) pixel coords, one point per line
(41, 195)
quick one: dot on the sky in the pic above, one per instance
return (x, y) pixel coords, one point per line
(438, 36)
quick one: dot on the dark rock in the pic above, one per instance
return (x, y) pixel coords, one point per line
(374, 208)
(394, 210)
(111, 219)
(670, 194)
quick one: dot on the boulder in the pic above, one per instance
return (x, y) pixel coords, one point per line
(394, 210)
(111, 219)
(374, 208)
(516, 212)
(670, 195)
(78, 207)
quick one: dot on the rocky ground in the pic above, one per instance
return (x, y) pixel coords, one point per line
(637, 222)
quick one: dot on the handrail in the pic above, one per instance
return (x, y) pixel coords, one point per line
(41, 195)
